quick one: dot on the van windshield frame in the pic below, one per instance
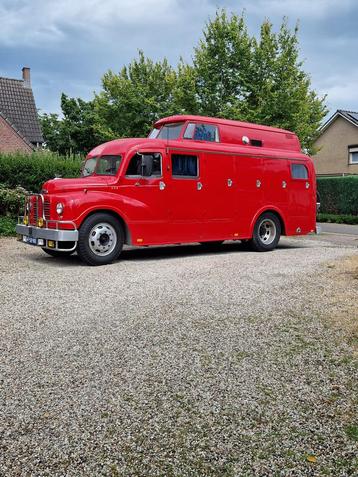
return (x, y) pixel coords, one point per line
(93, 165)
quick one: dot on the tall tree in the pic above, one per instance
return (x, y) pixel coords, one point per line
(140, 94)
(77, 132)
(259, 80)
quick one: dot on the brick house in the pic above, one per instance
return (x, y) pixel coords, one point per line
(338, 145)
(19, 125)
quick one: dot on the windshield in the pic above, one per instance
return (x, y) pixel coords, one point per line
(168, 131)
(103, 166)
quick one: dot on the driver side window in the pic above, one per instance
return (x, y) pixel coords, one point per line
(145, 165)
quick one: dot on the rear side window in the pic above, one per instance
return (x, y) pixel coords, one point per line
(299, 171)
(184, 165)
(202, 132)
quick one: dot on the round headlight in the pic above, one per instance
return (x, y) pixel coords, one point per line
(59, 208)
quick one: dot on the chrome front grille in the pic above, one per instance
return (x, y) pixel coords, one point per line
(47, 209)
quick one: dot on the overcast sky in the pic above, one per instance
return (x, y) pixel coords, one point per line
(69, 44)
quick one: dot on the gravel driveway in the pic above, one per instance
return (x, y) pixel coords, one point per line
(175, 362)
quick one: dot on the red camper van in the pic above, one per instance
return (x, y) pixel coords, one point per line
(194, 179)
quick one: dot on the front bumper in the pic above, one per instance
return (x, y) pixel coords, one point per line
(40, 236)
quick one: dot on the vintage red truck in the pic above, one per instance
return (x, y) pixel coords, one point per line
(194, 179)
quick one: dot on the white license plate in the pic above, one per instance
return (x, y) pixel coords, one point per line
(30, 240)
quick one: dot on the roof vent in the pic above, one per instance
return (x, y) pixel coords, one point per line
(256, 142)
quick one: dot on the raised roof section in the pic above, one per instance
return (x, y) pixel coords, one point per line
(232, 132)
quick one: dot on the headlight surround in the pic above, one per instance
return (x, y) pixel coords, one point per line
(59, 208)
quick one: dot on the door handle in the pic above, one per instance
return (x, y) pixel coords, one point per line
(307, 185)
(229, 182)
(199, 185)
(162, 185)
(284, 184)
(258, 183)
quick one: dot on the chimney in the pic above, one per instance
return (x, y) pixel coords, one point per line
(26, 76)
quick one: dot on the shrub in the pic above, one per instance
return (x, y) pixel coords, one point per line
(7, 226)
(11, 200)
(30, 171)
(338, 219)
(339, 195)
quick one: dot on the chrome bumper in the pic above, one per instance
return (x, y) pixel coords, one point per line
(47, 234)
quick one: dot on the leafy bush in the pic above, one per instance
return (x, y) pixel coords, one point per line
(7, 226)
(338, 219)
(339, 195)
(11, 200)
(30, 171)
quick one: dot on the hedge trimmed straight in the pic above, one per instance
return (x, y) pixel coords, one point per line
(339, 195)
(30, 171)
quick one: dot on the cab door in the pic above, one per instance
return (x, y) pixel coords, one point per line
(147, 202)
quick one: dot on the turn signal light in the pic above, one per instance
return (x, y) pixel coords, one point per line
(26, 220)
(40, 222)
(50, 244)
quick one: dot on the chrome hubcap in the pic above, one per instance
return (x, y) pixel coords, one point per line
(102, 239)
(267, 231)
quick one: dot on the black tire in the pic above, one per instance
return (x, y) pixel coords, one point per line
(267, 233)
(212, 245)
(108, 239)
(57, 253)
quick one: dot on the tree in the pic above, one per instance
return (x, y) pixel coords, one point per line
(77, 132)
(259, 80)
(140, 94)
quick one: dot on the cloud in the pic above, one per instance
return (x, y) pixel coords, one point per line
(69, 44)
(39, 22)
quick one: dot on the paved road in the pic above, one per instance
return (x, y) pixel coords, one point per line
(339, 234)
(174, 361)
(339, 229)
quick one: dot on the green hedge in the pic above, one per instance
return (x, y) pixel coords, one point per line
(339, 195)
(30, 171)
(338, 219)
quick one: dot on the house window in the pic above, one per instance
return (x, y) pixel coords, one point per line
(299, 171)
(353, 154)
(184, 165)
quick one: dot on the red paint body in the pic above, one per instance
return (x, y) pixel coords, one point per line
(182, 213)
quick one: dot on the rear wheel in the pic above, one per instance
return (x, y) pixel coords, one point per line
(267, 232)
(100, 239)
(57, 253)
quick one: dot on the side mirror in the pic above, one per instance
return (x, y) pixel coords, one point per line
(147, 165)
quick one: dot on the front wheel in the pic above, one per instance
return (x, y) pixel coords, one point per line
(100, 239)
(267, 232)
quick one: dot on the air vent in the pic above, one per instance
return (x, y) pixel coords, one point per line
(256, 142)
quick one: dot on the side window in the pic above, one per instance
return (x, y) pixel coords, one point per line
(202, 132)
(299, 171)
(184, 165)
(146, 165)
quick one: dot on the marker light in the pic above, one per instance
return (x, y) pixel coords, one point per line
(50, 243)
(40, 222)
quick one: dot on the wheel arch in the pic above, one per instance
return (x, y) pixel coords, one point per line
(116, 215)
(272, 210)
